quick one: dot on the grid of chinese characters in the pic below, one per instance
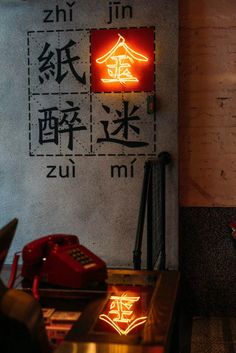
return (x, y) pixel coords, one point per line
(70, 113)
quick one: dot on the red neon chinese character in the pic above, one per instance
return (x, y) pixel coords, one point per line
(121, 312)
(120, 62)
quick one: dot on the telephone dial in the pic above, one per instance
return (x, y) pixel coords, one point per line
(61, 260)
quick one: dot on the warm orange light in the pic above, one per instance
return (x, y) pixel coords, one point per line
(122, 60)
(118, 66)
(120, 313)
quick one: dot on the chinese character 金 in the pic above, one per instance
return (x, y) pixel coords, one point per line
(118, 61)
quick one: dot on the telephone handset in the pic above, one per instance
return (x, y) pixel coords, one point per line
(60, 259)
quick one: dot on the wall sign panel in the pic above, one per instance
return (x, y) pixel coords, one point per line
(82, 123)
(75, 95)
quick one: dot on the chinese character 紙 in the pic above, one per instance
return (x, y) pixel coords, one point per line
(125, 123)
(50, 126)
(53, 64)
(119, 60)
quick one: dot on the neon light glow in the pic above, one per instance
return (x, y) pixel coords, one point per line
(121, 313)
(119, 70)
(123, 60)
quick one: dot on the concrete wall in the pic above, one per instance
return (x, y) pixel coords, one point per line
(207, 155)
(207, 103)
(56, 181)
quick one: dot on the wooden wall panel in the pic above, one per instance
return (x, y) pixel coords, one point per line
(207, 87)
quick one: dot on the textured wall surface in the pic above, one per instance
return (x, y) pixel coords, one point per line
(207, 103)
(50, 118)
(208, 260)
(207, 155)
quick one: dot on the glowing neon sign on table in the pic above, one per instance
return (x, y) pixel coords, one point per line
(135, 314)
(122, 314)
